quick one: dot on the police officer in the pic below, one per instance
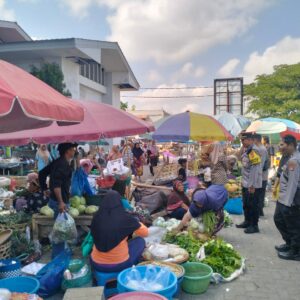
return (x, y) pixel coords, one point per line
(265, 163)
(287, 213)
(251, 183)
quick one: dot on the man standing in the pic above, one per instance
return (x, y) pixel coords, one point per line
(287, 213)
(265, 163)
(60, 173)
(251, 183)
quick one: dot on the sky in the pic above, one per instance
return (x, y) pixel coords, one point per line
(174, 43)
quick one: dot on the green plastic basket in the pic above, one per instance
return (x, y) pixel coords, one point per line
(78, 282)
(197, 277)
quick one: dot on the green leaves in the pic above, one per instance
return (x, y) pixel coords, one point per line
(51, 74)
(277, 94)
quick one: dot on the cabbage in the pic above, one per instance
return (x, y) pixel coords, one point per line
(73, 212)
(91, 209)
(82, 201)
(47, 211)
(75, 201)
(81, 209)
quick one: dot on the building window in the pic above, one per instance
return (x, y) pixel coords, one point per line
(92, 70)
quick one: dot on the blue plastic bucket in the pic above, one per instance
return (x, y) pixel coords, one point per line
(167, 292)
(21, 284)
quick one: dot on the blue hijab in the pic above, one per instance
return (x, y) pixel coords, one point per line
(211, 199)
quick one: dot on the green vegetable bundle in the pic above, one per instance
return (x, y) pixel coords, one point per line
(209, 220)
(20, 244)
(222, 258)
(15, 218)
(186, 241)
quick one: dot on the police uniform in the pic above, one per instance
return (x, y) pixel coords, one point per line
(287, 213)
(251, 177)
(265, 164)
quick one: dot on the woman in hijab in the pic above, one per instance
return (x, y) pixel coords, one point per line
(110, 229)
(138, 160)
(178, 202)
(43, 157)
(218, 164)
(114, 153)
(212, 199)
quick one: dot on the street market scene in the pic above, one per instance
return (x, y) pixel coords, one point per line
(148, 151)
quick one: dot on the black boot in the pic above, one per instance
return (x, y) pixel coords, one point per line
(283, 248)
(292, 254)
(242, 225)
(251, 229)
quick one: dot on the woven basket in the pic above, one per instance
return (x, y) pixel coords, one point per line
(5, 250)
(15, 227)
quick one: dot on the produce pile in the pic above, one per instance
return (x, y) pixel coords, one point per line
(9, 220)
(78, 207)
(219, 255)
(222, 257)
(234, 188)
(187, 241)
(204, 224)
(170, 225)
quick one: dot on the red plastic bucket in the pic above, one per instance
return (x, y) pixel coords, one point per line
(138, 296)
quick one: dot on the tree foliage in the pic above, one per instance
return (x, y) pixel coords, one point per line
(124, 105)
(277, 94)
(51, 74)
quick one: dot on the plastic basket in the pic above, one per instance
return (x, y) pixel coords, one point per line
(10, 268)
(78, 282)
(197, 277)
(21, 284)
(167, 292)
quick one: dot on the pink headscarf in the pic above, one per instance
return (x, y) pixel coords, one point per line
(33, 177)
(87, 162)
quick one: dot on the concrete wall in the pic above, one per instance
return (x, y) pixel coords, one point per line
(112, 95)
(71, 77)
(89, 94)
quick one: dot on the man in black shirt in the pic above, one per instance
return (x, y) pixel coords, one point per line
(60, 173)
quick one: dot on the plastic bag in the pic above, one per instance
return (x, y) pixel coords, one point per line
(64, 229)
(80, 184)
(159, 252)
(155, 235)
(152, 280)
(87, 245)
(51, 276)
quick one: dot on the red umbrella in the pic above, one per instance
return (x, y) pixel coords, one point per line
(100, 121)
(26, 102)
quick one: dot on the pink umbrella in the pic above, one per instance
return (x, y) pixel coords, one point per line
(100, 121)
(26, 102)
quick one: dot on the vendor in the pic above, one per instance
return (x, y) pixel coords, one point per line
(120, 187)
(114, 153)
(203, 200)
(182, 170)
(32, 200)
(232, 166)
(110, 229)
(178, 202)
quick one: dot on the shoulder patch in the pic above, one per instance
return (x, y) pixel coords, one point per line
(254, 157)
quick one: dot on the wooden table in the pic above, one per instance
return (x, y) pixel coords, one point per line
(42, 225)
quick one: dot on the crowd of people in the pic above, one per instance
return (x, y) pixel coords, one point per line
(115, 249)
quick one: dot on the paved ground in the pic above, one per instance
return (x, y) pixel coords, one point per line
(266, 276)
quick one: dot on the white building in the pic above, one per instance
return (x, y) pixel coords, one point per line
(93, 70)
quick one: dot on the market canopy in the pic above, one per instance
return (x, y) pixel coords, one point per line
(100, 121)
(233, 123)
(275, 128)
(191, 126)
(27, 102)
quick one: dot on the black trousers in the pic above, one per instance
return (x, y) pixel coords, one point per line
(153, 163)
(262, 195)
(251, 206)
(287, 221)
